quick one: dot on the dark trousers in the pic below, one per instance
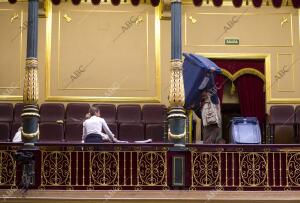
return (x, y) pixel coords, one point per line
(93, 138)
(212, 134)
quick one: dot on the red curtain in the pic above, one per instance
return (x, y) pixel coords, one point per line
(250, 88)
(277, 3)
(197, 2)
(96, 2)
(237, 3)
(220, 82)
(217, 2)
(296, 3)
(252, 96)
(257, 3)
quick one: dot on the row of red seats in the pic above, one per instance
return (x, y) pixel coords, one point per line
(57, 123)
(284, 118)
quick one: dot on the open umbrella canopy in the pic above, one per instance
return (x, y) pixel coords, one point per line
(197, 76)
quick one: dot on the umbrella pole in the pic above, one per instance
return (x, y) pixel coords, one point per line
(176, 114)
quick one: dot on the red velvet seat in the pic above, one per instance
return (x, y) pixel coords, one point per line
(107, 111)
(297, 122)
(75, 112)
(14, 128)
(51, 132)
(129, 117)
(6, 118)
(17, 112)
(131, 131)
(297, 115)
(73, 131)
(129, 113)
(282, 124)
(155, 131)
(51, 122)
(154, 117)
(154, 113)
(75, 116)
(6, 112)
(18, 108)
(113, 128)
(5, 131)
(52, 112)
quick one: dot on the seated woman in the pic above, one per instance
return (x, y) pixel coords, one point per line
(18, 136)
(92, 129)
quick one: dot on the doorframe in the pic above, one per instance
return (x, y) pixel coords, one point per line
(267, 61)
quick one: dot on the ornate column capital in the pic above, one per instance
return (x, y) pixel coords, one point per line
(31, 86)
(176, 95)
(31, 62)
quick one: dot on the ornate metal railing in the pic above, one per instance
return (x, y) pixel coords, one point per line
(119, 168)
(7, 169)
(76, 166)
(253, 167)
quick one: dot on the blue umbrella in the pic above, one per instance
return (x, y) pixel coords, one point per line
(198, 76)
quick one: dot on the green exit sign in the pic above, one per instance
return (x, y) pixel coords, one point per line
(232, 41)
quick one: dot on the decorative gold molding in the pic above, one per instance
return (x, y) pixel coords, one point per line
(29, 136)
(227, 74)
(152, 168)
(192, 19)
(299, 25)
(7, 169)
(103, 99)
(104, 168)
(48, 48)
(56, 168)
(157, 56)
(284, 101)
(165, 10)
(67, 18)
(15, 16)
(31, 83)
(284, 20)
(292, 68)
(253, 169)
(250, 71)
(43, 9)
(182, 160)
(266, 57)
(176, 136)
(176, 95)
(10, 97)
(240, 45)
(293, 165)
(137, 20)
(206, 169)
(49, 97)
(228, 3)
(244, 71)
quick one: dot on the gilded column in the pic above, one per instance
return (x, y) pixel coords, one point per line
(176, 116)
(30, 114)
